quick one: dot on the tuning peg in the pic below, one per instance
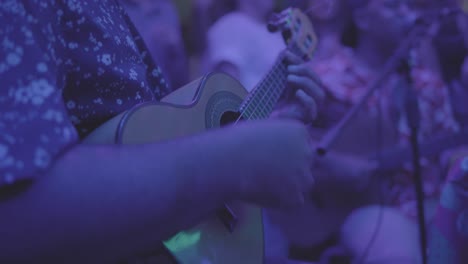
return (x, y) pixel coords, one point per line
(273, 24)
(277, 22)
(272, 27)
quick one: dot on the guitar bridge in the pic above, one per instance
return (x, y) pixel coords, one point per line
(227, 217)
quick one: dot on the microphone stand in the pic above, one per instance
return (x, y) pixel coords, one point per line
(419, 30)
(411, 109)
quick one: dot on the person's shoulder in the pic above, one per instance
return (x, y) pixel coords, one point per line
(229, 29)
(233, 20)
(235, 16)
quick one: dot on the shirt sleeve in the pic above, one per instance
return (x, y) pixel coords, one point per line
(434, 104)
(34, 125)
(448, 238)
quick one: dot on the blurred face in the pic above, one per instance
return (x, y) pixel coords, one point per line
(463, 24)
(324, 10)
(261, 7)
(388, 19)
(465, 73)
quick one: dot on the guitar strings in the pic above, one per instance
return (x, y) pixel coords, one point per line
(274, 73)
(363, 257)
(268, 95)
(265, 94)
(270, 91)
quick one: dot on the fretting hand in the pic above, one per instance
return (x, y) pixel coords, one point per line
(303, 91)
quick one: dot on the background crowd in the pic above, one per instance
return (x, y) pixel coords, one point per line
(356, 38)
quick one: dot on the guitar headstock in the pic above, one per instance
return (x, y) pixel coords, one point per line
(297, 31)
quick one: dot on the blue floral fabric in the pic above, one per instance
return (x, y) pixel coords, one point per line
(66, 67)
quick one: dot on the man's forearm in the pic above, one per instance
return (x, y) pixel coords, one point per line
(112, 201)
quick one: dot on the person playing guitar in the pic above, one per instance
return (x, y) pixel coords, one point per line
(69, 66)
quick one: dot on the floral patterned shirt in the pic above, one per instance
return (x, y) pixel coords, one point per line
(66, 66)
(448, 236)
(347, 83)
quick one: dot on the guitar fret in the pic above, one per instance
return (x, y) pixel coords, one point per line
(261, 102)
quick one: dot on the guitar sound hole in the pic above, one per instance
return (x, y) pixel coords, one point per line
(229, 117)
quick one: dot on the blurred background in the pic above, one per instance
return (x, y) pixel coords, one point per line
(355, 39)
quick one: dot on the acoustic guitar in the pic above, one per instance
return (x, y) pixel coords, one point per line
(233, 234)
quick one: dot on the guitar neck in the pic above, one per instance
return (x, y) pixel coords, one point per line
(262, 100)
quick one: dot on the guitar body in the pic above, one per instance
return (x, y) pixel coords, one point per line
(206, 103)
(233, 234)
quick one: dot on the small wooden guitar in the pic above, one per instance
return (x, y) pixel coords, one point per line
(233, 234)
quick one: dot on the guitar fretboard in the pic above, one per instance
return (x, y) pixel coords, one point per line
(261, 101)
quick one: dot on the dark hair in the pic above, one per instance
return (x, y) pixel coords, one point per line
(349, 36)
(451, 49)
(128, 3)
(354, 4)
